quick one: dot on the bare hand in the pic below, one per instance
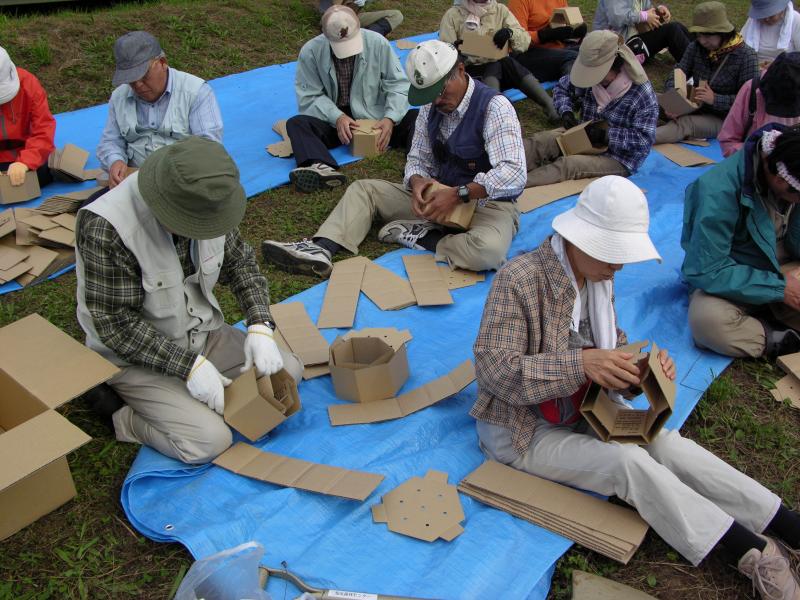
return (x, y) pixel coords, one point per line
(16, 173)
(653, 19)
(117, 173)
(791, 294)
(664, 12)
(611, 369)
(667, 364)
(704, 94)
(344, 127)
(418, 187)
(440, 204)
(385, 126)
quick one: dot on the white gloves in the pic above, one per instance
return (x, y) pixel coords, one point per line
(261, 351)
(16, 173)
(206, 384)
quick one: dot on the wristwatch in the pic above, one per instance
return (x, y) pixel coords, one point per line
(463, 193)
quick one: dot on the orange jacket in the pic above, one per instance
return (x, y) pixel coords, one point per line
(27, 126)
(534, 15)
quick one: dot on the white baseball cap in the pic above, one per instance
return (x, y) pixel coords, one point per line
(9, 78)
(427, 67)
(343, 30)
(610, 222)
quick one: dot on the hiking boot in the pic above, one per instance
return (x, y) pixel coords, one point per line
(770, 572)
(317, 176)
(406, 233)
(104, 402)
(306, 257)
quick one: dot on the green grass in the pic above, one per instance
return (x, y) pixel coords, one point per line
(87, 549)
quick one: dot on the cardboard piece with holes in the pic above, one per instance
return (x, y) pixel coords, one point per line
(426, 508)
(788, 388)
(254, 407)
(41, 368)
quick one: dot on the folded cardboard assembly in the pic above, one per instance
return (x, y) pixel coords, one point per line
(365, 369)
(10, 194)
(679, 100)
(285, 471)
(41, 368)
(254, 407)
(482, 45)
(576, 140)
(461, 216)
(67, 164)
(611, 530)
(570, 15)
(426, 508)
(365, 138)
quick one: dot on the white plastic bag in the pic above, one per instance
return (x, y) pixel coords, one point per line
(228, 575)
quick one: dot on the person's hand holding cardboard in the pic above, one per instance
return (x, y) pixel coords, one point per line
(418, 186)
(116, 173)
(16, 173)
(667, 364)
(654, 19)
(439, 202)
(703, 93)
(261, 351)
(344, 128)
(611, 369)
(207, 385)
(386, 127)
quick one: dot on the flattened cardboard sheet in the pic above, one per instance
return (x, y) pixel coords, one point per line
(59, 236)
(7, 222)
(282, 149)
(570, 15)
(14, 271)
(787, 388)
(683, 156)
(701, 143)
(309, 372)
(67, 203)
(10, 257)
(540, 195)
(460, 278)
(406, 44)
(586, 586)
(10, 194)
(65, 220)
(611, 530)
(404, 404)
(56, 259)
(386, 289)
(300, 333)
(576, 140)
(426, 508)
(67, 164)
(285, 471)
(341, 296)
(426, 281)
(482, 45)
(365, 138)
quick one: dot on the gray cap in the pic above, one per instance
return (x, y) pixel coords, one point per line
(133, 53)
(761, 9)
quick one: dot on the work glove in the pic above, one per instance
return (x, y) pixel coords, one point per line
(568, 119)
(558, 34)
(597, 135)
(207, 385)
(261, 350)
(16, 173)
(501, 37)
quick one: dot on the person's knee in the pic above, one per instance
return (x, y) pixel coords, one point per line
(632, 462)
(395, 18)
(296, 124)
(205, 444)
(484, 252)
(710, 320)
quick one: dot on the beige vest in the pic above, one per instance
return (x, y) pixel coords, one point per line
(183, 309)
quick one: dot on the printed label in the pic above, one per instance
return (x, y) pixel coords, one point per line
(338, 594)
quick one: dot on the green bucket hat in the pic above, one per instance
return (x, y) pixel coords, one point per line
(710, 17)
(193, 188)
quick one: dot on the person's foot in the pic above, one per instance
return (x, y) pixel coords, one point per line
(771, 572)
(780, 341)
(104, 402)
(406, 233)
(303, 257)
(317, 176)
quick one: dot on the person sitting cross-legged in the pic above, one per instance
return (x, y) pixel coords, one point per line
(467, 138)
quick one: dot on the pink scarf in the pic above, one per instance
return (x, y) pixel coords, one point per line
(616, 89)
(476, 11)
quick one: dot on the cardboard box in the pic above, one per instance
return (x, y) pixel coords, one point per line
(10, 194)
(614, 422)
(569, 15)
(683, 156)
(482, 45)
(364, 369)
(461, 216)
(575, 140)
(679, 100)
(365, 138)
(41, 368)
(254, 407)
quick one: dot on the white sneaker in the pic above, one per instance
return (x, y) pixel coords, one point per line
(771, 572)
(406, 233)
(303, 257)
(317, 176)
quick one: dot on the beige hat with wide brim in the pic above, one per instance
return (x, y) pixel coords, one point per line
(710, 17)
(597, 53)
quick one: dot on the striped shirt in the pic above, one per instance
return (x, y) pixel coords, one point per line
(503, 135)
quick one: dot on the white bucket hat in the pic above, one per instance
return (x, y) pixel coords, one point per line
(343, 30)
(610, 222)
(9, 78)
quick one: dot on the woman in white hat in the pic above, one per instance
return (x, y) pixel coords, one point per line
(772, 27)
(549, 331)
(27, 127)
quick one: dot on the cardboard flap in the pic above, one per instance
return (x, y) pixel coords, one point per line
(661, 386)
(569, 15)
(379, 514)
(10, 194)
(300, 333)
(386, 289)
(10, 257)
(365, 126)
(72, 161)
(48, 362)
(7, 222)
(576, 141)
(482, 45)
(426, 282)
(282, 149)
(392, 336)
(406, 44)
(36, 443)
(682, 156)
(459, 278)
(341, 296)
(534, 197)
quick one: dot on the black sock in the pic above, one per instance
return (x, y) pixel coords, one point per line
(430, 239)
(786, 525)
(329, 245)
(738, 540)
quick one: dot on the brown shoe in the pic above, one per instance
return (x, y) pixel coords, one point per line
(771, 572)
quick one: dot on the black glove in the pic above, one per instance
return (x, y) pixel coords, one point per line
(568, 119)
(597, 134)
(501, 37)
(579, 32)
(559, 34)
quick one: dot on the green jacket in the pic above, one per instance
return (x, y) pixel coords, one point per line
(379, 88)
(728, 236)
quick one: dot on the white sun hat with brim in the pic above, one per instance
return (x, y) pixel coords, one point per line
(610, 222)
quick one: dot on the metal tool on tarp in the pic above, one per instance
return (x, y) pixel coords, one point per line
(266, 572)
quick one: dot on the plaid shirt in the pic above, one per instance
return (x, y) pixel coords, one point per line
(344, 78)
(631, 119)
(503, 135)
(522, 354)
(115, 296)
(739, 68)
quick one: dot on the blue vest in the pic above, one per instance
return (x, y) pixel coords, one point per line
(464, 154)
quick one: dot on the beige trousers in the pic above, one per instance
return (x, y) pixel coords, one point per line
(395, 17)
(546, 165)
(731, 329)
(689, 126)
(159, 412)
(484, 246)
(687, 495)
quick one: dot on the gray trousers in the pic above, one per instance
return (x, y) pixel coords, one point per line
(546, 164)
(160, 413)
(687, 495)
(484, 246)
(731, 329)
(395, 18)
(689, 126)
